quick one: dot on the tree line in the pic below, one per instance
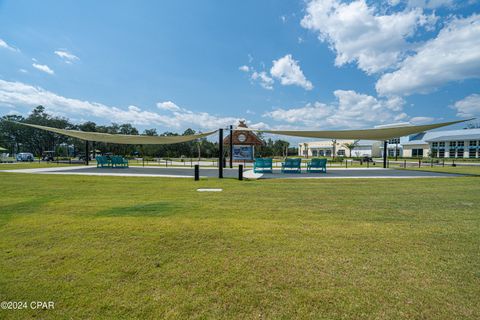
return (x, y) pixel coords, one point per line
(17, 139)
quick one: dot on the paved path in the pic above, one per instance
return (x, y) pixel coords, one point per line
(179, 172)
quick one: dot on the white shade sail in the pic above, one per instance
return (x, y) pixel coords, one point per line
(120, 138)
(364, 134)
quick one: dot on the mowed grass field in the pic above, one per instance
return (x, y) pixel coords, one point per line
(153, 248)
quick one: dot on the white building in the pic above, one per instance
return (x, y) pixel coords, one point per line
(326, 148)
(463, 143)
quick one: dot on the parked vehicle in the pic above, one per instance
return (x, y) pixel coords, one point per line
(48, 155)
(367, 159)
(25, 156)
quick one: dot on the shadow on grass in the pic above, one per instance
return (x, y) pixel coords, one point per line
(9, 211)
(157, 209)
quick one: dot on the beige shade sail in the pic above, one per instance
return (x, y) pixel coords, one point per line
(2, 149)
(364, 134)
(120, 138)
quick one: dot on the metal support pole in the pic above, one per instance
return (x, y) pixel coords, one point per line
(197, 172)
(240, 172)
(220, 155)
(385, 151)
(87, 153)
(231, 146)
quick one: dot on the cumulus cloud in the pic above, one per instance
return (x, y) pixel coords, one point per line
(357, 33)
(428, 4)
(5, 45)
(68, 57)
(452, 56)
(43, 68)
(288, 71)
(351, 110)
(168, 105)
(17, 95)
(421, 120)
(468, 106)
(264, 80)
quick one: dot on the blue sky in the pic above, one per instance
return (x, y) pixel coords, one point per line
(171, 65)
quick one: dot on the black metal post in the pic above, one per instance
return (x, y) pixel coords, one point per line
(231, 146)
(197, 172)
(220, 155)
(385, 151)
(87, 153)
(240, 172)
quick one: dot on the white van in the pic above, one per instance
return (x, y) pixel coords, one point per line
(25, 156)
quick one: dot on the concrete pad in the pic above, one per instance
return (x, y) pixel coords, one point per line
(179, 172)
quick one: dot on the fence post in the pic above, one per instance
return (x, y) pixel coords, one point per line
(419, 163)
(431, 163)
(405, 164)
(197, 172)
(443, 163)
(240, 172)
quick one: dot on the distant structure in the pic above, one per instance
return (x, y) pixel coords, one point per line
(244, 142)
(463, 143)
(326, 148)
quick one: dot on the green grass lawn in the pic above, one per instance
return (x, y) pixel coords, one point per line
(31, 165)
(472, 170)
(152, 248)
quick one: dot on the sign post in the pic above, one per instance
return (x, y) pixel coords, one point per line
(220, 151)
(231, 146)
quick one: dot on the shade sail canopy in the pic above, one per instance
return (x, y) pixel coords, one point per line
(364, 134)
(2, 149)
(120, 138)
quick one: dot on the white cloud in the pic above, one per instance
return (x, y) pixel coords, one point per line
(17, 94)
(421, 120)
(5, 45)
(288, 71)
(263, 78)
(452, 56)
(168, 105)
(244, 68)
(351, 110)
(66, 56)
(357, 33)
(468, 107)
(43, 67)
(429, 4)
(22, 71)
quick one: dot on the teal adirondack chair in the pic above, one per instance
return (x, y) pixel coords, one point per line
(103, 162)
(262, 165)
(317, 165)
(292, 165)
(119, 162)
